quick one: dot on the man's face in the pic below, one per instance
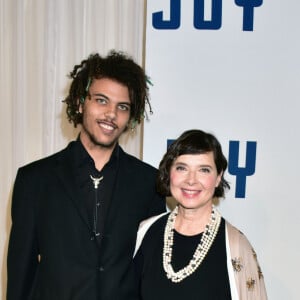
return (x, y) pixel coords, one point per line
(105, 114)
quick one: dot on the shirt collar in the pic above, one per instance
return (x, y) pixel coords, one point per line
(82, 156)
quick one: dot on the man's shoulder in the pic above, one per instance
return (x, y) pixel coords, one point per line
(135, 162)
(49, 160)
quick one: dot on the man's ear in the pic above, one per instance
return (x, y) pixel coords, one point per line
(81, 100)
(80, 103)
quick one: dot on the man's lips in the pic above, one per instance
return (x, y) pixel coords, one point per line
(107, 125)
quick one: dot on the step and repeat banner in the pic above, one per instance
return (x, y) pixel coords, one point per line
(232, 68)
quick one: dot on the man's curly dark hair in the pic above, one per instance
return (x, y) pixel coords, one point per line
(116, 66)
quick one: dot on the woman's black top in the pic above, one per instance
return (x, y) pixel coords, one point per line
(209, 281)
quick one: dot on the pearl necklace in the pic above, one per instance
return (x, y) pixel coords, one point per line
(208, 236)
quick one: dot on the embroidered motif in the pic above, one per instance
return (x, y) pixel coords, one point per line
(237, 264)
(250, 284)
(254, 254)
(260, 274)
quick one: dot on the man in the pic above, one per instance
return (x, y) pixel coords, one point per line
(75, 214)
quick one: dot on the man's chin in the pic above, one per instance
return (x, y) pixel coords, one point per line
(104, 144)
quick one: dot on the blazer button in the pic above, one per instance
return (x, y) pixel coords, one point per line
(101, 269)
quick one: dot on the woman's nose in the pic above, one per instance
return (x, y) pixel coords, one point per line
(191, 178)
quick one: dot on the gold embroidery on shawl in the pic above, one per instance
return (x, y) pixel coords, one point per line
(250, 284)
(260, 274)
(254, 254)
(237, 264)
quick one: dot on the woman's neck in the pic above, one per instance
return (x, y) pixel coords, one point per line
(192, 221)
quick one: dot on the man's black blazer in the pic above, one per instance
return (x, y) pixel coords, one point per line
(51, 255)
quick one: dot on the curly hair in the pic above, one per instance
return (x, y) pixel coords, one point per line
(192, 142)
(116, 66)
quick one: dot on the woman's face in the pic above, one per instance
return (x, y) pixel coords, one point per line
(193, 179)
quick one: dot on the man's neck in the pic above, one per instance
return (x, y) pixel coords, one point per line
(100, 154)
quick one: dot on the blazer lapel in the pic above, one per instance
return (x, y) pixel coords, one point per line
(119, 187)
(66, 172)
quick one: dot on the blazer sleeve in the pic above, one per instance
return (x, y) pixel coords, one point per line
(22, 258)
(158, 205)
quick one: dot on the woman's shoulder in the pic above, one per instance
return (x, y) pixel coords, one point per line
(153, 221)
(236, 236)
(247, 271)
(242, 251)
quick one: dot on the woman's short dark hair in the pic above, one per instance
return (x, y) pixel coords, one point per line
(116, 66)
(192, 142)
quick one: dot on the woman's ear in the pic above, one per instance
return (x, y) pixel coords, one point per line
(219, 178)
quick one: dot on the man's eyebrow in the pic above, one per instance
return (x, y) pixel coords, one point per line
(99, 95)
(107, 98)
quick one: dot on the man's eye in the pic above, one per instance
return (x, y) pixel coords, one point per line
(101, 100)
(124, 107)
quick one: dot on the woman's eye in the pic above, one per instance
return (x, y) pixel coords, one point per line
(180, 168)
(205, 170)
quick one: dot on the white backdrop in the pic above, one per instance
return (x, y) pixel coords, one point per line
(240, 81)
(40, 42)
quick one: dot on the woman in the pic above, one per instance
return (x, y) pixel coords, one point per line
(193, 252)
